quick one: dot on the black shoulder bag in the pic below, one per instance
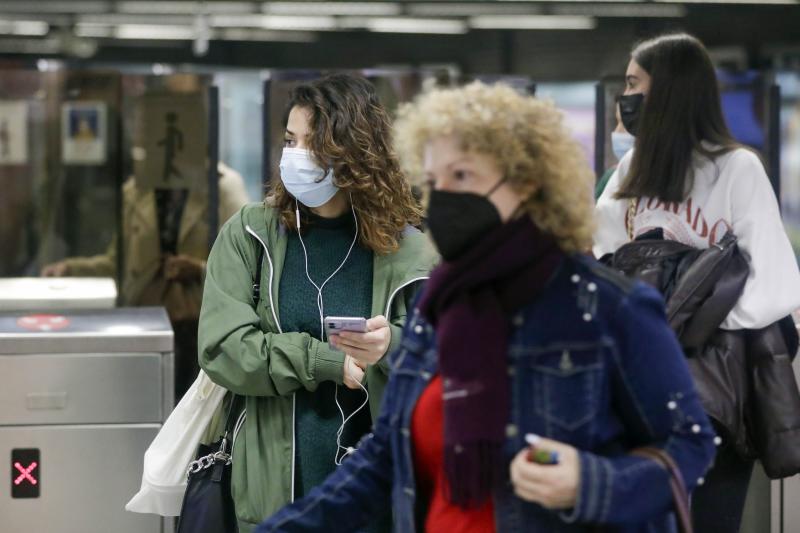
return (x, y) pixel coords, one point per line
(208, 504)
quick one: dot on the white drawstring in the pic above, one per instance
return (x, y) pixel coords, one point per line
(320, 304)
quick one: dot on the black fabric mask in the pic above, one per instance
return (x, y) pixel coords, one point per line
(630, 109)
(457, 220)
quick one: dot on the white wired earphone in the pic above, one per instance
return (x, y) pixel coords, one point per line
(321, 307)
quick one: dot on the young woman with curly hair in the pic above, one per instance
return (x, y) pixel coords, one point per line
(519, 339)
(335, 237)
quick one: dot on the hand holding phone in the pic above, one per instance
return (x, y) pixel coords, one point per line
(367, 341)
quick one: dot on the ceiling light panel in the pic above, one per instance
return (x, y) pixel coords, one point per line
(185, 8)
(623, 10)
(97, 31)
(117, 19)
(46, 6)
(416, 25)
(333, 8)
(154, 31)
(53, 19)
(275, 22)
(30, 28)
(534, 22)
(451, 9)
(251, 34)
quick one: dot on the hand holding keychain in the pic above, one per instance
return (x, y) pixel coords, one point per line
(546, 472)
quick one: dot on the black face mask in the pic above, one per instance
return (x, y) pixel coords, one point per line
(630, 108)
(458, 220)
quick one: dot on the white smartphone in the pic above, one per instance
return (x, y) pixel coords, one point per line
(336, 324)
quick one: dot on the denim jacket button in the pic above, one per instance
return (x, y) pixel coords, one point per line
(587, 317)
(405, 432)
(672, 405)
(701, 481)
(717, 441)
(418, 329)
(575, 278)
(695, 429)
(592, 287)
(511, 431)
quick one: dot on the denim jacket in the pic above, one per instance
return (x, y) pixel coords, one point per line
(592, 363)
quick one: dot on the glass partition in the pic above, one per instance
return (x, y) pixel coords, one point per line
(789, 83)
(59, 167)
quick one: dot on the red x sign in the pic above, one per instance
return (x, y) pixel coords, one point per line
(25, 473)
(43, 322)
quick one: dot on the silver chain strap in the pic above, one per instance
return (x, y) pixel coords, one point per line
(209, 460)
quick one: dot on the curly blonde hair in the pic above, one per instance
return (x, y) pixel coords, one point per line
(351, 133)
(529, 142)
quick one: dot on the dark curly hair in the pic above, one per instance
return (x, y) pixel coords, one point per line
(350, 132)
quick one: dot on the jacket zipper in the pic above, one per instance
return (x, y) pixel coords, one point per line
(278, 325)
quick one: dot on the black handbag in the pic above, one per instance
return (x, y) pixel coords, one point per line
(208, 504)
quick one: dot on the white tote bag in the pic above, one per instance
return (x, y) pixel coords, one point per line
(169, 455)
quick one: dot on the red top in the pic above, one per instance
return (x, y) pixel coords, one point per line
(427, 434)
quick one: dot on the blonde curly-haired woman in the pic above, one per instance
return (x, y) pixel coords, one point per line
(527, 373)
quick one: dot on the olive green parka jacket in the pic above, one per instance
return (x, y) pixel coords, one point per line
(242, 348)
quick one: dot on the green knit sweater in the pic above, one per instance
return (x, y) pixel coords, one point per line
(349, 293)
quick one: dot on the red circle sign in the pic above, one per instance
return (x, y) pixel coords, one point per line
(43, 322)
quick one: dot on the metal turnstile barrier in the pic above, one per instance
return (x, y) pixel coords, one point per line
(82, 395)
(23, 294)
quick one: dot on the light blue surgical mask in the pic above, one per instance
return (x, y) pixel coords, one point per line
(621, 143)
(304, 179)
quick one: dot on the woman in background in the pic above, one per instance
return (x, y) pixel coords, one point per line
(687, 177)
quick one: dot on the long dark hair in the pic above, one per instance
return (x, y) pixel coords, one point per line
(351, 133)
(681, 110)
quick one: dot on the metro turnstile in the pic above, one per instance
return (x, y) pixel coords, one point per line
(82, 394)
(773, 506)
(786, 494)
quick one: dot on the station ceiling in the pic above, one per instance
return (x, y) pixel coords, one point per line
(558, 39)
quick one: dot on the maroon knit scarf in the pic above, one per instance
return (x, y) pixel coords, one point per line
(470, 302)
